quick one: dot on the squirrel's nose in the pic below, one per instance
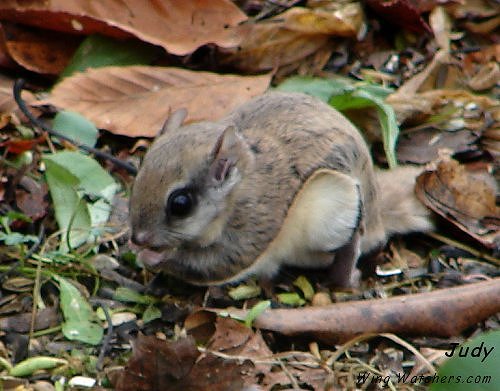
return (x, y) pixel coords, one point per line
(140, 238)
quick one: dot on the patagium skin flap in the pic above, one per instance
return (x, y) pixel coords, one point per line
(284, 179)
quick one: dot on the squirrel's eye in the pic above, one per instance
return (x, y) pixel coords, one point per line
(180, 203)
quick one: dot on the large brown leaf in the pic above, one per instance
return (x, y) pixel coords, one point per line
(178, 26)
(135, 101)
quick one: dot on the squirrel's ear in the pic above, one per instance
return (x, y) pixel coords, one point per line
(226, 153)
(173, 122)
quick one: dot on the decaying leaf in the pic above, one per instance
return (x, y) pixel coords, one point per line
(236, 342)
(294, 35)
(343, 20)
(270, 46)
(38, 50)
(136, 100)
(486, 78)
(170, 366)
(402, 13)
(472, 9)
(178, 26)
(466, 200)
(484, 27)
(31, 198)
(491, 142)
(20, 323)
(423, 146)
(414, 104)
(155, 362)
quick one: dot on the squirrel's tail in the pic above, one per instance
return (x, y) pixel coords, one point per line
(400, 209)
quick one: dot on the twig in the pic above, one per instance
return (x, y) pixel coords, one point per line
(36, 297)
(18, 87)
(107, 338)
(343, 349)
(464, 247)
(292, 378)
(275, 359)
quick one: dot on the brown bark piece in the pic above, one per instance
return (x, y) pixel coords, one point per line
(441, 313)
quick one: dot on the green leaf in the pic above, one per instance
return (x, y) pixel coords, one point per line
(151, 313)
(71, 211)
(255, 311)
(361, 98)
(473, 366)
(31, 365)
(99, 51)
(14, 238)
(244, 291)
(291, 298)
(80, 322)
(76, 127)
(323, 89)
(344, 94)
(375, 90)
(390, 131)
(305, 286)
(128, 295)
(71, 176)
(349, 100)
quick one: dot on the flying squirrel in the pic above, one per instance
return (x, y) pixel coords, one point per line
(284, 179)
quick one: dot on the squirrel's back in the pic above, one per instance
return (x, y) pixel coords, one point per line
(309, 135)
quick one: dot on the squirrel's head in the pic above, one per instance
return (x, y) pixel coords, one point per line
(182, 194)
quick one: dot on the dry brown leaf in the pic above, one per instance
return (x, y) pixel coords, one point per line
(486, 27)
(441, 27)
(37, 50)
(270, 47)
(409, 104)
(466, 200)
(345, 21)
(491, 142)
(177, 365)
(234, 341)
(487, 77)
(157, 364)
(423, 146)
(135, 101)
(178, 26)
(471, 9)
(293, 35)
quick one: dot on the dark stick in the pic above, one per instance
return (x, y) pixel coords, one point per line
(31, 251)
(107, 339)
(18, 87)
